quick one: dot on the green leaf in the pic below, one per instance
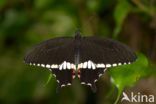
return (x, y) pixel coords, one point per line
(128, 75)
(121, 11)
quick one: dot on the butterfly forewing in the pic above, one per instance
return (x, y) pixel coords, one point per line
(115, 51)
(49, 52)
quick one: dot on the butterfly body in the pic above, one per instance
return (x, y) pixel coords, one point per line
(86, 58)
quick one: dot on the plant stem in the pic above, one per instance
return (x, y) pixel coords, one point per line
(118, 96)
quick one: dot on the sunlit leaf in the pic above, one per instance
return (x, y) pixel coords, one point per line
(128, 75)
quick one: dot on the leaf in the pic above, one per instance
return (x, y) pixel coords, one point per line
(128, 75)
(121, 11)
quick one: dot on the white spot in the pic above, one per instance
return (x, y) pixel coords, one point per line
(42, 65)
(89, 84)
(119, 64)
(58, 81)
(100, 75)
(47, 66)
(34, 64)
(30, 64)
(64, 65)
(54, 75)
(108, 65)
(68, 65)
(69, 84)
(129, 62)
(49, 69)
(93, 66)
(114, 64)
(89, 65)
(95, 80)
(125, 63)
(73, 66)
(62, 85)
(38, 64)
(83, 83)
(61, 67)
(78, 76)
(104, 70)
(73, 76)
(85, 65)
(80, 66)
(54, 66)
(100, 66)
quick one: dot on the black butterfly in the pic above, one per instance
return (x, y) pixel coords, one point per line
(84, 57)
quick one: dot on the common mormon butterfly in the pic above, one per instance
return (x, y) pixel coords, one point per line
(84, 57)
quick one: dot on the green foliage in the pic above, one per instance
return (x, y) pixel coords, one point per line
(128, 75)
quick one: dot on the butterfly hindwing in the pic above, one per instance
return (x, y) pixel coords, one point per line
(90, 76)
(63, 77)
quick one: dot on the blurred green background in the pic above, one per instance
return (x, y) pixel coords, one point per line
(24, 23)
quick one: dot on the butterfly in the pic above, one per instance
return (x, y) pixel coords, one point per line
(86, 58)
